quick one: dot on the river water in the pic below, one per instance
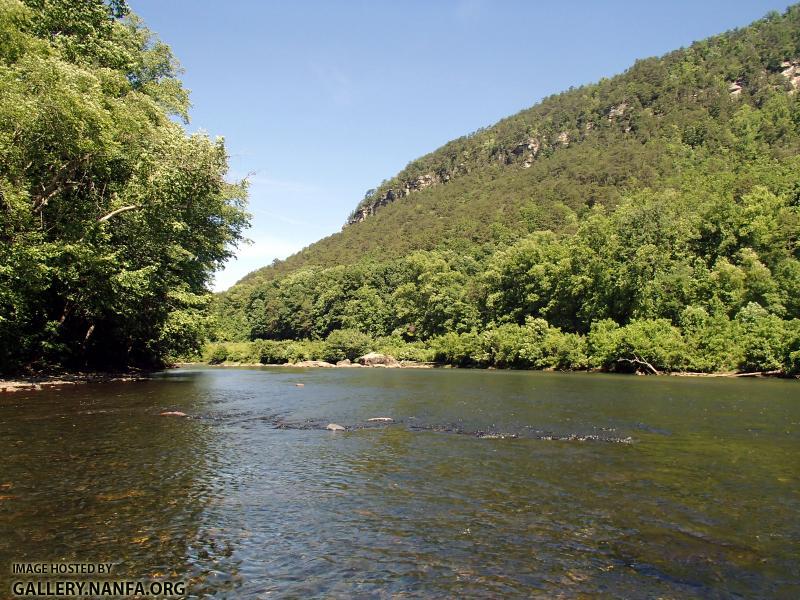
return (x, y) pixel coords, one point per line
(488, 483)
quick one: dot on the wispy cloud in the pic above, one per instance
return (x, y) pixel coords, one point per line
(282, 218)
(258, 178)
(266, 248)
(284, 185)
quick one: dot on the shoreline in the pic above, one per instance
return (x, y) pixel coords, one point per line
(420, 365)
(316, 364)
(41, 381)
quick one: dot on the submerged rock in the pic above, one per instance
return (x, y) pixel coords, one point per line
(496, 436)
(334, 427)
(173, 413)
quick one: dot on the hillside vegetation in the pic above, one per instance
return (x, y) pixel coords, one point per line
(647, 221)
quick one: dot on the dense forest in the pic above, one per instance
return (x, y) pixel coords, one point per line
(112, 217)
(647, 222)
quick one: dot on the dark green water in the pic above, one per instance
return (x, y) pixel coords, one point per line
(250, 497)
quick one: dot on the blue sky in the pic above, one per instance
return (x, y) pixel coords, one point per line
(321, 101)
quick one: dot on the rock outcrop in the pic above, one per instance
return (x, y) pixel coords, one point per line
(421, 182)
(528, 150)
(617, 111)
(791, 70)
(405, 188)
(735, 88)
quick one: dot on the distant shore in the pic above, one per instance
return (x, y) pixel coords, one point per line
(315, 364)
(318, 364)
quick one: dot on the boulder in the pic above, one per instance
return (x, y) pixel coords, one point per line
(173, 413)
(344, 363)
(311, 363)
(374, 359)
(381, 420)
(334, 427)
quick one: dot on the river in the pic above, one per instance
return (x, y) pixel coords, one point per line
(488, 483)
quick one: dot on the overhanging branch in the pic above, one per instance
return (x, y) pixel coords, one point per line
(114, 213)
(640, 363)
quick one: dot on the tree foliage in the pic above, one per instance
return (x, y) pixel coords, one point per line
(112, 218)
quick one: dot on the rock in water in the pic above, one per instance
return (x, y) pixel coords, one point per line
(334, 427)
(373, 359)
(173, 413)
(382, 419)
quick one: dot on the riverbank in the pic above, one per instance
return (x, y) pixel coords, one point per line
(318, 364)
(39, 381)
(495, 349)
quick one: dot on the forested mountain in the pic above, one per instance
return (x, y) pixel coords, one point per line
(112, 218)
(648, 218)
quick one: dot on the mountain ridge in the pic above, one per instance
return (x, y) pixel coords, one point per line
(625, 103)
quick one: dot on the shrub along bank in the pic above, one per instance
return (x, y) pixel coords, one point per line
(754, 341)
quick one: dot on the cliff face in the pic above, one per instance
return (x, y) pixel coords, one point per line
(372, 204)
(520, 154)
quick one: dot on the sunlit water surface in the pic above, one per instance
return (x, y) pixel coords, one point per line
(488, 484)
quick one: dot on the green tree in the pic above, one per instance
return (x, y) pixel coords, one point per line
(346, 344)
(113, 218)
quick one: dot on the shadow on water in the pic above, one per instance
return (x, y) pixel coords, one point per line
(485, 483)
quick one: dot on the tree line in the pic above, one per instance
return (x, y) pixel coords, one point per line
(674, 280)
